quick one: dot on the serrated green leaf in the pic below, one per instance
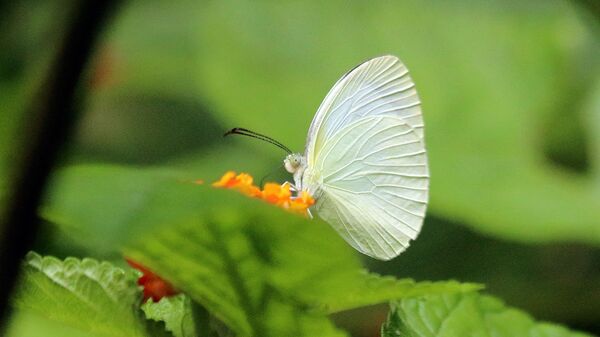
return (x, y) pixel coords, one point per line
(175, 312)
(92, 296)
(464, 314)
(87, 294)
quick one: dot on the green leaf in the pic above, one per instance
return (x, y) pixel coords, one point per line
(357, 288)
(102, 207)
(175, 312)
(225, 255)
(25, 323)
(592, 120)
(81, 197)
(89, 295)
(464, 314)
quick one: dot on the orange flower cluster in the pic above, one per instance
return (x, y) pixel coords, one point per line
(273, 193)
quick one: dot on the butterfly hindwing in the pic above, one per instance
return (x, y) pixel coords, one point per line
(374, 185)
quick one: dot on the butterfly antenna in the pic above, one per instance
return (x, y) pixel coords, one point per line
(249, 133)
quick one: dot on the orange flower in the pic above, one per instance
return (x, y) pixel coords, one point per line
(302, 203)
(273, 193)
(276, 194)
(241, 182)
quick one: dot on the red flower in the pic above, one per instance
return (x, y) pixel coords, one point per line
(154, 286)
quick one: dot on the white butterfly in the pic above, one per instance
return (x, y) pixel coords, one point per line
(365, 161)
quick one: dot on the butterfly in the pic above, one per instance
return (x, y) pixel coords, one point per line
(365, 161)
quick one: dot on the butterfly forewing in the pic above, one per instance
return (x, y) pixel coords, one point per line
(378, 87)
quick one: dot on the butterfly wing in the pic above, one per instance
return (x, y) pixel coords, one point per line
(378, 87)
(368, 156)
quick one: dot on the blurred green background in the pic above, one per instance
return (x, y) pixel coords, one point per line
(511, 101)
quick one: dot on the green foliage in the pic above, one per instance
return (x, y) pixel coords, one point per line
(464, 314)
(26, 323)
(175, 312)
(259, 269)
(591, 107)
(103, 206)
(90, 295)
(352, 289)
(263, 271)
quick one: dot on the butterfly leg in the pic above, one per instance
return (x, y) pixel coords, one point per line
(292, 186)
(294, 197)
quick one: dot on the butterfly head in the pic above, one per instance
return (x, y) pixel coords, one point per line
(293, 162)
